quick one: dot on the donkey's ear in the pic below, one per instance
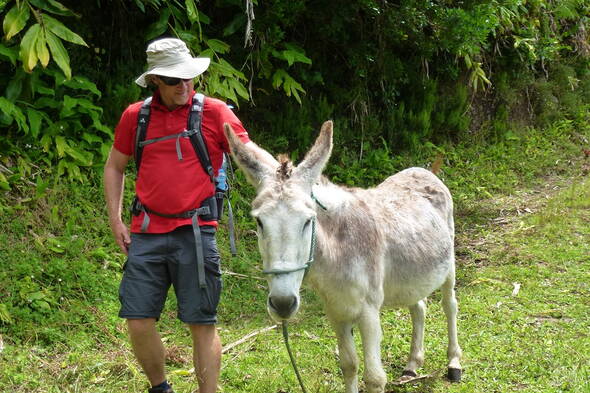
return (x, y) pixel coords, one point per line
(254, 168)
(310, 169)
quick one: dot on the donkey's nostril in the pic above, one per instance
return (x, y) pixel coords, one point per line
(283, 305)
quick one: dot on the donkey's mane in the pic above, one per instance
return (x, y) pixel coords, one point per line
(285, 168)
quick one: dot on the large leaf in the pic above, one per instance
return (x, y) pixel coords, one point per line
(42, 51)
(53, 6)
(15, 86)
(80, 82)
(28, 50)
(16, 20)
(35, 118)
(239, 88)
(9, 52)
(140, 5)
(60, 144)
(59, 53)
(191, 11)
(159, 27)
(218, 46)
(14, 112)
(4, 185)
(60, 30)
(78, 155)
(290, 86)
(68, 106)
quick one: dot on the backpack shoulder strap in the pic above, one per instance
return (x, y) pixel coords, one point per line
(143, 120)
(196, 137)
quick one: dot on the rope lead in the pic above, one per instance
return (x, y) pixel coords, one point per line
(286, 337)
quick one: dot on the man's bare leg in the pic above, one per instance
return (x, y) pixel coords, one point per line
(207, 356)
(148, 348)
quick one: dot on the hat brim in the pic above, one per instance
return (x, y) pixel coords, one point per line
(187, 69)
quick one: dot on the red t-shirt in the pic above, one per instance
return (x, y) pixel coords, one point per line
(166, 184)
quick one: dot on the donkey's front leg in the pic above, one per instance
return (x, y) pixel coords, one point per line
(370, 327)
(349, 362)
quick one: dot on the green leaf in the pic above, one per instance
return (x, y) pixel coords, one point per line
(140, 5)
(28, 51)
(14, 112)
(60, 144)
(82, 83)
(60, 30)
(35, 119)
(35, 296)
(239, 88)
(290, 86)
(68, 105)
(295, 55)
(191, 11)
(53, 6)
(15, 86)
(92, 138)
(47, 102)
(16, 20)
(218, 46)
(60, 55)
(9, 52)
(78, 155)
(42, 51)
(4, 314)
(159, 27)
(4, 185)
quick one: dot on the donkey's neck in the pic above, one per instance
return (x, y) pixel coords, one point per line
(346, 229)
(331, 196)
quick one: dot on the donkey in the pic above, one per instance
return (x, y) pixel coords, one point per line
(391, 245)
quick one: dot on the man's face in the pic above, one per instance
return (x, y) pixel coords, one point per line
(173, 95)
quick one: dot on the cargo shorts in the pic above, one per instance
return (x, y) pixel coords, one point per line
(156, 261)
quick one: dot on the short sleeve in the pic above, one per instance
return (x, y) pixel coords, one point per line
(125, 130)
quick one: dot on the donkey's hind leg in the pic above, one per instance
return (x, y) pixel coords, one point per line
(416, 359)
(349, 362)
(449, 303)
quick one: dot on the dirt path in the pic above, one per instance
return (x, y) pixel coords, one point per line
(497, 217)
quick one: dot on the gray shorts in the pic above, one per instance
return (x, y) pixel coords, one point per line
(156, 261)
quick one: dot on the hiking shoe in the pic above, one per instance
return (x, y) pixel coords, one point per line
(160, 390)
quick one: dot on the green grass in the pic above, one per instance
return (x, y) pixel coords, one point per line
(523, 216)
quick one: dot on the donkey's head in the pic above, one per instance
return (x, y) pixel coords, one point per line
(285, 213)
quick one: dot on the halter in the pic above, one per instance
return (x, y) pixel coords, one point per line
(305, 266)
(312, 247)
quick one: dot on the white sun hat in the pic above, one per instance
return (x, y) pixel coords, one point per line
(170, 57)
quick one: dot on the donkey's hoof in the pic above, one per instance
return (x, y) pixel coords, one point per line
(409, 373)
(454, 374)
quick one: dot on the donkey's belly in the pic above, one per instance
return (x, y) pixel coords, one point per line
(406, 290)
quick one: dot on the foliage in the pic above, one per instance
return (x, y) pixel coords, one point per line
(58, 281)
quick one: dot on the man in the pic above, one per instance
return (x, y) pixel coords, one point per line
(171, 217)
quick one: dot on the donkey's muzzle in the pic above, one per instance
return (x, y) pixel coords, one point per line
(283, 306)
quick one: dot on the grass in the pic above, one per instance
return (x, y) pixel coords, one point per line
(523, 221)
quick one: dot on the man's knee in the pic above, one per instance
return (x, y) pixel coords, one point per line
(140, 326)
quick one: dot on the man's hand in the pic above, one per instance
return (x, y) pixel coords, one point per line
(121, 234)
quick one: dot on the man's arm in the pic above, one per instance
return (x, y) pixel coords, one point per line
(114, 180)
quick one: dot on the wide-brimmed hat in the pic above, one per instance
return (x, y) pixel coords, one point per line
(171, 57)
